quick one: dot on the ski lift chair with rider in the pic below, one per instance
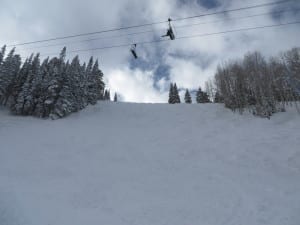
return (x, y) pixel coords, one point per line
(170, 32)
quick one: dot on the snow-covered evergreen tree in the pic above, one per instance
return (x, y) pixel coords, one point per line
(98, 79)
(28, 89)
(91, 86)
(107, 95)
(18, 84)
(9, 70)
(171, 91)
(56, 88)
(40, 88)
(187, 97)
(173, 94)
(2, 53)
(66, 102)
(24, 101)
(76, 75)
(201, 96)
(176, 95)
(57, 75)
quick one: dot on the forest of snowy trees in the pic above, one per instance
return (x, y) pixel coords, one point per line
(254, 83)
(56, 87)
(260, 85)
(53, 88)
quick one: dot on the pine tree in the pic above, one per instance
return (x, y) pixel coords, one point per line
(15, 106)
(57, 75)
(201, 96)
(26, 96)
(41, 86)
(170, 101)
(66, 102)
(24, 101)
(2, 53)
(77, 94)
(76, 74)
(187, 97)
(91, 85)
(83, 85)
(176, 95)
(107, 95)
(99, 84)
(173, 94)
(8, 72)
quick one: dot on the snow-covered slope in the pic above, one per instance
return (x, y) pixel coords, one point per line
(143, 164)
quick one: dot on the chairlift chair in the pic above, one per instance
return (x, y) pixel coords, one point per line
(170, 32)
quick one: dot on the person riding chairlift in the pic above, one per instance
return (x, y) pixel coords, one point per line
(133, 47)
(170, 32)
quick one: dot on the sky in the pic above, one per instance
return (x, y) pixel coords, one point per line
(188, 62)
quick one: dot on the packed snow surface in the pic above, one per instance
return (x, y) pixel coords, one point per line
(150, 164)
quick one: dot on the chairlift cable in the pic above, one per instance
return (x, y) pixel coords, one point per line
(152, 31)
(149, 24)
(181, 37)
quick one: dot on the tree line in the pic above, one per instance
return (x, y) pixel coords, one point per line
(54, 88)
(262, 86)
(174, 98)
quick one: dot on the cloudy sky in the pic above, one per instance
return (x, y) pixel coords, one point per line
(188, 62)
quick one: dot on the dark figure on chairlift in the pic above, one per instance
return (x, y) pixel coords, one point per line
(133, 47)
(170, 32)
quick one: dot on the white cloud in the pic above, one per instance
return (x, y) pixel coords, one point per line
(192, 61)
(134, 85)
(187, 74)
